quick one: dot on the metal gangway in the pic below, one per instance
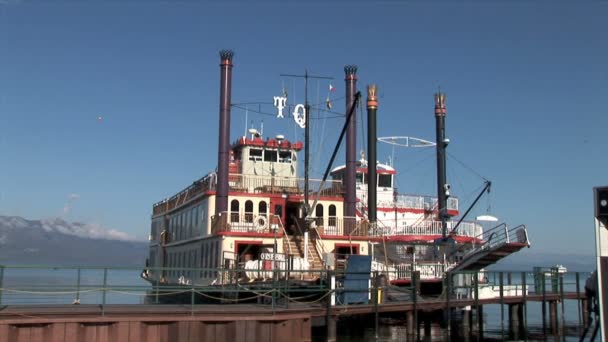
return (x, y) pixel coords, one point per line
(493, 245)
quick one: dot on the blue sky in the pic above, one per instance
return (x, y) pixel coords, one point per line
(526, 84)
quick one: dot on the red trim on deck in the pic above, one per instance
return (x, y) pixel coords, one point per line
(378, 171)
(345, 237)
(259, 142)
(405, 281)
(238, 243)
(290, 198)
(321, 198)
(250, 234)
(415, 238)
(404, 238)
(355, 247)
(412, 210)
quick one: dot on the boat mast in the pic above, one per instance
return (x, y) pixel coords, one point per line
(372, 183)
(443, 189)
(350, 195)
(306, 147)
(306, 76)
(223, 157)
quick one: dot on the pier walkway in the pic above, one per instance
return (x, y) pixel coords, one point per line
(277, 316)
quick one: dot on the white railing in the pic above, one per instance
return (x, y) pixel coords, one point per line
(246, 223)
(427, 270)
(466, 228)
(248, 184)
(338, 225)
(418, 202)
(499, 236)
(285, 185)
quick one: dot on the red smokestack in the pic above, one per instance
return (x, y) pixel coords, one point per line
(350, 196)
(223, 153)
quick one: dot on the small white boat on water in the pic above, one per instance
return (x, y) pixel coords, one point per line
(557, 269)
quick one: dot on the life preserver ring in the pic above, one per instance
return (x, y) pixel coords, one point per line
(261, 223)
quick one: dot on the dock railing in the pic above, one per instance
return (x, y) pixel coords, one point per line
(108, 287)
(29, 284)
(247, 223)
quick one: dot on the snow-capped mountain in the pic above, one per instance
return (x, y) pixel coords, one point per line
(56, 241)
(59, 225)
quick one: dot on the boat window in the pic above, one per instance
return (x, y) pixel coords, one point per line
(193, 212)
(183, 264)
(284, 156)
(170, 263)
(204, 257)
(294, 156)
(262, 208)
(186, 264)
(200, 220)
(195, 220)
(255, 154)
(332, 215)
(234, 211)
(171, 225)
(319, 214)
(188, 227)
(182, 226)
(212, 261)
(385, 181)
(270, 156)
(359, 177)
(179, 225)
(249, 211)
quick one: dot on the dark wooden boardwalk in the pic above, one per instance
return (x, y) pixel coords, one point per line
(205, 322)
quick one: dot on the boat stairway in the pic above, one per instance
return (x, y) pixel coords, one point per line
(294, 245)
(495, 244)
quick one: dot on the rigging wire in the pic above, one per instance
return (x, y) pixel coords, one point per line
(414, 166)
(289, 107)
(320, 105)
(319, 142)
(467, 167)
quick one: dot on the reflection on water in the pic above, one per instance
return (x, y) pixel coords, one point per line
(394, 329)
(30, 286)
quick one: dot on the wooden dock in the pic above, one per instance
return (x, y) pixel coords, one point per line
(220, 322)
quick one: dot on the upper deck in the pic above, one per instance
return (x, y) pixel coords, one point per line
(248, 184)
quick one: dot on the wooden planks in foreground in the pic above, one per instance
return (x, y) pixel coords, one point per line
(153, 324)
(200, 323)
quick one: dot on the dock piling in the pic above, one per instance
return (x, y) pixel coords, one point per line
(415, 284)
(515, 321)
(427, 327)
(78, 286)
(448, 311)
(376, 299)
(543, 303)
(105, 291)
(553, 321)
(580, 302)
(409, 318)
(330, 320)
(1, 282)
(524, 303)
(502, 300)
